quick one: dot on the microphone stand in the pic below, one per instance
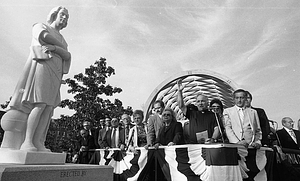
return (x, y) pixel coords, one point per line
(279, 143)
(130, 140)
(219, 127)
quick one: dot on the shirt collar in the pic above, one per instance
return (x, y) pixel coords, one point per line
(288, 130)
(238, 108)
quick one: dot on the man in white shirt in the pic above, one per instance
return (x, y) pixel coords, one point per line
(242, 127)
(242, 124)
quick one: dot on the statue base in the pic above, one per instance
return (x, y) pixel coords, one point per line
(67, 172)
(31, 158)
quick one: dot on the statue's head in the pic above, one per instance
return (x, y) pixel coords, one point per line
(53, 15)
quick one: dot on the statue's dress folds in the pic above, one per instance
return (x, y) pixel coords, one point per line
(41, 78)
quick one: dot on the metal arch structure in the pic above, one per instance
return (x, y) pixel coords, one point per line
(210, 83)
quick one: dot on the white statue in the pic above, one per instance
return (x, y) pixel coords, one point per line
(38, 90)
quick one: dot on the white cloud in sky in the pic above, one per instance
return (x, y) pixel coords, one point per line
(254, 43)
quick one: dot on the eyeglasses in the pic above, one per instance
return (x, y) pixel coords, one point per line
(156, 108)
(166, 114)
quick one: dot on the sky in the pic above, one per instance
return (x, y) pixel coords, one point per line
(254, 43)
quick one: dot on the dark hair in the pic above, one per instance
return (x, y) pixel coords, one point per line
(162, 104)
(238, 91)
(218, 101)
(138, 112)
(248, 93)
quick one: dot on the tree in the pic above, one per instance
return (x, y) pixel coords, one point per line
(91, 94)
(91, 102)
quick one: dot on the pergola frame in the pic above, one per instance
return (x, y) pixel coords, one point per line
(210, 83)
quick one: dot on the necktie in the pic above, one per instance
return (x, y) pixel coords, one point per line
(127, 131)
(241, 114)
(293, 136)
(113, 138)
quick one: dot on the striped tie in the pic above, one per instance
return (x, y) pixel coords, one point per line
(293, 136)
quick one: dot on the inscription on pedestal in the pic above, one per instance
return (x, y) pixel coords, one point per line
(73, 173)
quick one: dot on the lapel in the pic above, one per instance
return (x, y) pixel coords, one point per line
(290, 136)
(248, 115)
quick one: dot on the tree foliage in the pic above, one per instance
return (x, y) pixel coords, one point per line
(91, 94)
(91, 102)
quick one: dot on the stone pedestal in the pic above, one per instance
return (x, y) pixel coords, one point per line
(68, 172)
(31, 158)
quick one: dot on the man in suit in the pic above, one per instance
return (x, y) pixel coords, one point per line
(115, 137)
(289, 137)
(242, 124)
(87, 125)
(103, 131)
(102, 123)
(242, 127)
(155, 122)
(127, 125)
(84, 143)
(263, 120)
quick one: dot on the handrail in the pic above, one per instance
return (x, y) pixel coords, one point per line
(212, 145)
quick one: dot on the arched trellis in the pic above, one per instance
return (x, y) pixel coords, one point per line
(210, 83)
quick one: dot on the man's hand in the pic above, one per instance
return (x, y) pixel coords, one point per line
(256, 145)
(171, 144)
(122, 147)
(179, 85)
(156, 146)
(244, 143)
(83, 148)
(147, 146)
(210, 140)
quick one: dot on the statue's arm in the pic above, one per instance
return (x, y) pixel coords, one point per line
(58, 46)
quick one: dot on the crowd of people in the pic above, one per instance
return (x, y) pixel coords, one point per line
(207, 122)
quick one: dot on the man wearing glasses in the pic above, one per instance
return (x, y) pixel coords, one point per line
(289, 137)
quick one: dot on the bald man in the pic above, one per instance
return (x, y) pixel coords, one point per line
(200, 119)
(289, 137)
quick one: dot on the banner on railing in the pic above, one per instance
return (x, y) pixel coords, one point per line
(182, 162)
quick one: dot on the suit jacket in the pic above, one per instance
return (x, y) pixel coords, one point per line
(101, 137)
(95, 134)
(286, 140)
(107, 140)
(264, 125)
(172, 133)
(154, 124)
(127, 129)
(88, 142)
(235, 130)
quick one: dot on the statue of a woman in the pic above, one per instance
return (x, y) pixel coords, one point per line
(38, 90)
